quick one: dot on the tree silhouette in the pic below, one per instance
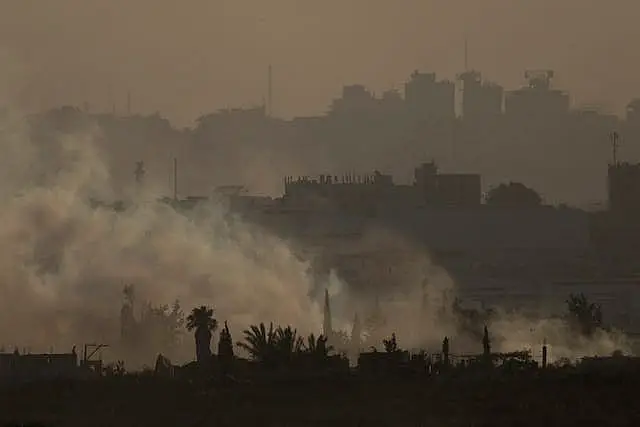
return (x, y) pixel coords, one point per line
(202, 321)
(225, 344)
(356, 335)
(259, 343)
(318, 346)
(391, 344)
(584, 316)
(445, 351)
(486, 342)
(161, 326)
(486, 345)
(163, 365)
(287, 343)
(225, 349)
(273, 346)
(513, 194)
(115, 369)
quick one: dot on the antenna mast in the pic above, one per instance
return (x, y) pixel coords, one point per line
(110, 103)
(466, 52)
(175, 179)
(269, 92)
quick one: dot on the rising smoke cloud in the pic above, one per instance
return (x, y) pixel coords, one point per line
(416, 303)
(64, 263)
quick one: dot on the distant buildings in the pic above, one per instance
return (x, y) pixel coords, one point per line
(615, 232)
(370, 193)
(529, 134)
(428, 98)
(537, 100)
(480, 100)
(16, 366)
(462, 190)
(624, 189)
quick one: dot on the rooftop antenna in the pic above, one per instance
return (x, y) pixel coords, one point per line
(269, 92)
(129, 103)
(615, 143)
(466, 52)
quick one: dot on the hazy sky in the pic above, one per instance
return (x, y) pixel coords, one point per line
(187, 57)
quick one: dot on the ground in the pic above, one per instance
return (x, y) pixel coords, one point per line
(542, 402)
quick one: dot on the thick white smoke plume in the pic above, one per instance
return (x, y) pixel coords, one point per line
(64, 263)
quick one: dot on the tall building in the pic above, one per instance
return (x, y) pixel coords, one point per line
(457, 189)
(428, 98)
(355, 98)
(537, 100)
(624, 189)
(480, 100)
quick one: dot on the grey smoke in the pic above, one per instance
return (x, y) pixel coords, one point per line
(63, 263)
(413, 307)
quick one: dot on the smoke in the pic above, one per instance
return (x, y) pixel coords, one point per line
(417, 298)
(63, 262)
(520, 332)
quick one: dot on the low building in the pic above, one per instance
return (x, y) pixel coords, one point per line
(38, 366)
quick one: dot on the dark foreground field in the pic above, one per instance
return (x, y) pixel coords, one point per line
(542, 402)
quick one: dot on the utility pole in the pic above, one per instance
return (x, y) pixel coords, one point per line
(269, 92)
(175, 179)
(110, 103)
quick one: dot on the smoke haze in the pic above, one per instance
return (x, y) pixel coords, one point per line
(199, 55)
(416, 303)
(64, 263)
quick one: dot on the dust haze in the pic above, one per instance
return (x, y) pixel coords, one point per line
(64, 264)
(185, 59)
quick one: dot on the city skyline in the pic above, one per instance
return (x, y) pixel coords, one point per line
(203, 56)
(122, 106)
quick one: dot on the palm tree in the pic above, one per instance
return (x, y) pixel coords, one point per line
(271, 346)
(318, 346)
(259, 343)
(201, 319)
(288, 342)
